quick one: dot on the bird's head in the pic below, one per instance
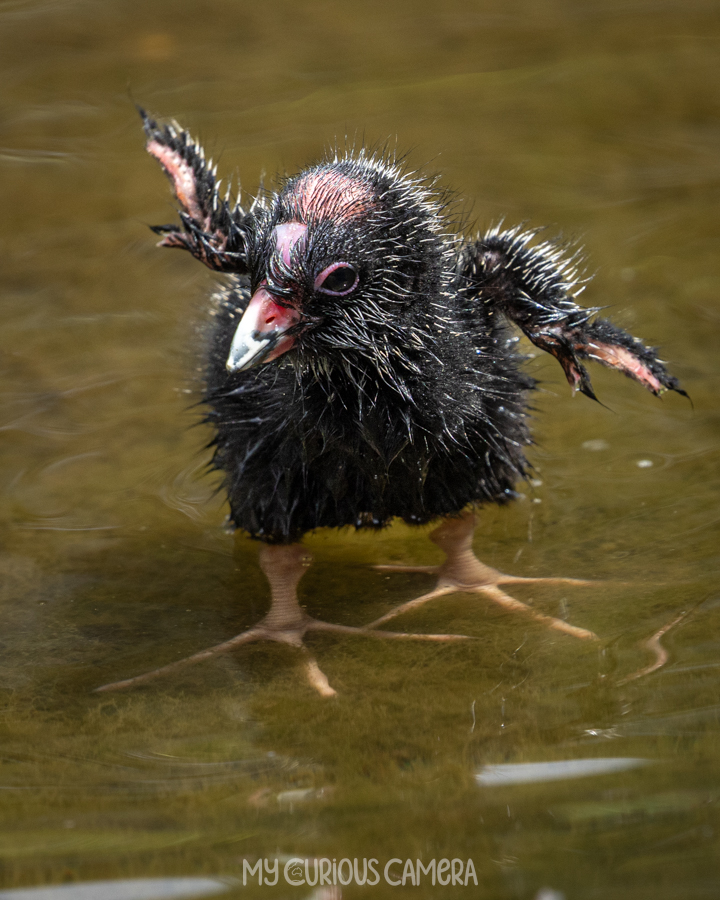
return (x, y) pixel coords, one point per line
(345, 260)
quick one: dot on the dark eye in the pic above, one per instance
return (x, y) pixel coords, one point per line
(339, 278)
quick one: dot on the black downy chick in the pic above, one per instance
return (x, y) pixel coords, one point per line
(363, 366)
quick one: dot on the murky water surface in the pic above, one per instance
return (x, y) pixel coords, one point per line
(525, 751)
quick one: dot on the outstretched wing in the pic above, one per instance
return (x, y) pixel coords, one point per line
(211, 230)
(534, 286)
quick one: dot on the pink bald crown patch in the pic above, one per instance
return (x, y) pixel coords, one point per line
(328, 194)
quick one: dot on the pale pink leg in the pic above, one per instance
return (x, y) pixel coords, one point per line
(462, 571)
(286, 622)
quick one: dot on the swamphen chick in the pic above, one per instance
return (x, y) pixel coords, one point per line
(363, 366)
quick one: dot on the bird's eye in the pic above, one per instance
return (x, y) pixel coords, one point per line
(338, 279)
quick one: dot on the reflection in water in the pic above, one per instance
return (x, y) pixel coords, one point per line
(600, 118)
(558, 770)
(127, 889)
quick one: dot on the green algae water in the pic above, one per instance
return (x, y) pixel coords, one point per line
(523, 764)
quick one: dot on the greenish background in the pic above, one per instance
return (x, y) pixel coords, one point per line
(600, 119)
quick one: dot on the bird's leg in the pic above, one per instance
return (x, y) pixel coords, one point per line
(463, 571)
(284, 565)
(286, 622)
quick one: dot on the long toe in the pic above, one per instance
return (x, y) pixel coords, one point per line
(463, 572)
(514, 605)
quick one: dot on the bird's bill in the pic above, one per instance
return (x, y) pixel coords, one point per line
(261, 334)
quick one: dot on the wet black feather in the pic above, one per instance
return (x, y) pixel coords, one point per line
(407, 397)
